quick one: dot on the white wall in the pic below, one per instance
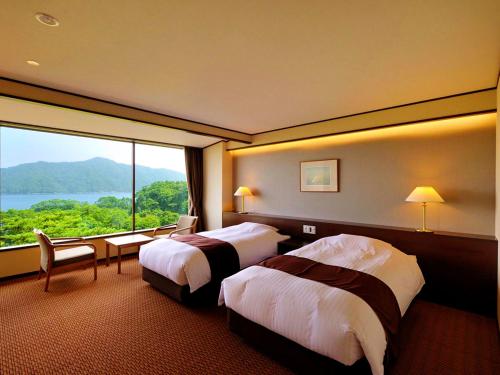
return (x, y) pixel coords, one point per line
(378, 171)
(217, 182)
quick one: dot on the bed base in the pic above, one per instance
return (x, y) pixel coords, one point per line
(206, 295)
(292, 355)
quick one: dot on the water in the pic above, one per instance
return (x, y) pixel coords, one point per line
(24, 201)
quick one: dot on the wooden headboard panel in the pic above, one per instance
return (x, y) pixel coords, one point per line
(460, 270)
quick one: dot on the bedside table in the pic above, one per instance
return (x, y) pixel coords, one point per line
(291, 244)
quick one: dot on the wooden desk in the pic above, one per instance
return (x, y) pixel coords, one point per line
(123, 242)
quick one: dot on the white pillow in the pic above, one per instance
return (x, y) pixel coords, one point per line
(363, 244)
(252, 227)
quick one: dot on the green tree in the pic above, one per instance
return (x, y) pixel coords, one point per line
(114, 202)
(55, 204)
(157, 204)
(163, 195)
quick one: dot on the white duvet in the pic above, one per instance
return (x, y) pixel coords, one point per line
(185, 264)
(327, 320)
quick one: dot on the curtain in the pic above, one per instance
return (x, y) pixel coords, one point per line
(194, 174)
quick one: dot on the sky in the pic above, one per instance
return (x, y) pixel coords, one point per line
(19, 146)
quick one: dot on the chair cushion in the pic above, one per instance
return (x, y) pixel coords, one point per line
(73, 255)
(162, 235)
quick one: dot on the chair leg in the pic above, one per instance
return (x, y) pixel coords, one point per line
(47, 281)
(40, 273)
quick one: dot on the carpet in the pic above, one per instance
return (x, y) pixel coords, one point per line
(120, 325)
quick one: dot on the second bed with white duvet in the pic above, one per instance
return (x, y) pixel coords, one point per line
(327, 320)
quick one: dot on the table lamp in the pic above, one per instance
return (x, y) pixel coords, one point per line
(243, 192)
(424, 195)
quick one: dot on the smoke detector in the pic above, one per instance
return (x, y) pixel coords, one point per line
(47, 19)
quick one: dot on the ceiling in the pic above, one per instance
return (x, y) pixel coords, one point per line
(30, 113)
(254, 66)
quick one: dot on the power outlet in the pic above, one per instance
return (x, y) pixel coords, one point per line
(309, 229)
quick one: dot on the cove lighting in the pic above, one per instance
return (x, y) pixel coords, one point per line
(431, 128)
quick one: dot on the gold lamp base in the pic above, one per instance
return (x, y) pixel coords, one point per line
(424, 226)
(242, 206)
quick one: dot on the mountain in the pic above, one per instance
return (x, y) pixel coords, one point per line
(93, 175)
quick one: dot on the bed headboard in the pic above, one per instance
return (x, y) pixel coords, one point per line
(460, 270)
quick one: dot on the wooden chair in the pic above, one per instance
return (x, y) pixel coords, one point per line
(79, 254)
(185, 225)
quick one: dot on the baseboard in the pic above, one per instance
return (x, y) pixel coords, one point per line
(27, 275)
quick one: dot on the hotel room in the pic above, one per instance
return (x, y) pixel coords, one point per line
(233, 187)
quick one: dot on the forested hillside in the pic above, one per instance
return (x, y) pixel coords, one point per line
(158, 204)
(93, 175)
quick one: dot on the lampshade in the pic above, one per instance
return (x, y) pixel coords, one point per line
(243, 191)
(424, 194)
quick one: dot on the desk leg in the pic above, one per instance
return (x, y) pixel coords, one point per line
(119, 259)
(107, 254)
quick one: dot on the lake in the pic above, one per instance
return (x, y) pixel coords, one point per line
(24, 201)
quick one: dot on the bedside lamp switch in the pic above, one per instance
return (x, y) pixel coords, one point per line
(309, 229)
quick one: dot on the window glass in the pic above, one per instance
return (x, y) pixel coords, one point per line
(161, 188)
(64, 185)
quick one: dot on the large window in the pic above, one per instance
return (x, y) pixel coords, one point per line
(161, 193)
(70, 185)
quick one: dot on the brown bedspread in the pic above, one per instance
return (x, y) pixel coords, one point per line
(221, 255)
(367, 287)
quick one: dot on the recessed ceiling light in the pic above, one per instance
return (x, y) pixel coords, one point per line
(47, 19)
(33, 63)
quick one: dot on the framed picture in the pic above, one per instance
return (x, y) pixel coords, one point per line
(319, 175)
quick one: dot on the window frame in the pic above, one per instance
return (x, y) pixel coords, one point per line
(133, 143)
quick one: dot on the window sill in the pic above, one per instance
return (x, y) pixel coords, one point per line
(35, 244)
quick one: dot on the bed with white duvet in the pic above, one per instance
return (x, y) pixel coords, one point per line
(187, 265)
(327, 320)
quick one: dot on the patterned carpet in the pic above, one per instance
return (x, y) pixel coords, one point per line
(120, 325)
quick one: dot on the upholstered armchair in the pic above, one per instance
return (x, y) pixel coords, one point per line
(75, 255)
(185, 225)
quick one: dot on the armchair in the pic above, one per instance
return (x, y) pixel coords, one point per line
(77, 254)
(185, 225)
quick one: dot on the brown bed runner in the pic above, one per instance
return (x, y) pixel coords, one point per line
(369, 288)
(221, 255)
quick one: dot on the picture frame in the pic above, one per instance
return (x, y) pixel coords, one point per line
(320, 176)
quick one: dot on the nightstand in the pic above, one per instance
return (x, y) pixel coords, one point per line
(291, 244)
